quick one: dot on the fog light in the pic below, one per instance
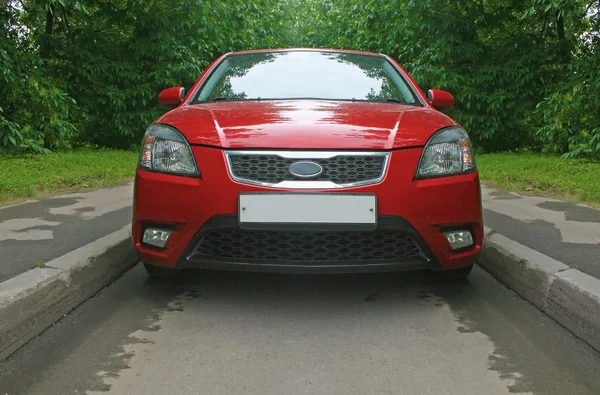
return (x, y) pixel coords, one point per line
(156, 237)
(459, 239)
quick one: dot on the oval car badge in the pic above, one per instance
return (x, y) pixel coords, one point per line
(306, 169)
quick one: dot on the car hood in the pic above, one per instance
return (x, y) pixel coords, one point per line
(306, 124)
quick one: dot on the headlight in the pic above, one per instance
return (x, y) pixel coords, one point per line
(165, 150)
(448, 152)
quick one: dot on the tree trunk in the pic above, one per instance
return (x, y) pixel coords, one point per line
(564, 147)
(46, 53)
(565, 55)
(560, 26)
(50, 20)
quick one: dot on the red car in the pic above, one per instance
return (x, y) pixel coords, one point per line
(307, 160)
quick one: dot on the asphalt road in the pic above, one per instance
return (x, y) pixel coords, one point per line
(226, 333)
(36, 232)
(567, 232)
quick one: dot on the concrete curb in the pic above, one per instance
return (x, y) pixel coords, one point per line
(35, 300)
(569, 296)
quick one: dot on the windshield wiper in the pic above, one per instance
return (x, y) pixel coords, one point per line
(223, 98)
(388, 99)
(392, 100)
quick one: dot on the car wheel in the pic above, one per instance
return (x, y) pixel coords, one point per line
(453, 275)
(162, 273)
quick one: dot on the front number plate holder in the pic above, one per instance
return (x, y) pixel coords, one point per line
(307, 210)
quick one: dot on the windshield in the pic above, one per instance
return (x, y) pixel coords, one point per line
(306, 75)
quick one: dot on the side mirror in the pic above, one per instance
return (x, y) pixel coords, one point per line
(172, 96)
(440, 99)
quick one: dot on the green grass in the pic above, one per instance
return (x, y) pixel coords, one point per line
(576, 179)
(29, 176)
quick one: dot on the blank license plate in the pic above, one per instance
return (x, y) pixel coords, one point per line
(306, 208)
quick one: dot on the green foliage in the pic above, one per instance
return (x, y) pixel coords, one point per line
(35, 106)
(570, 113)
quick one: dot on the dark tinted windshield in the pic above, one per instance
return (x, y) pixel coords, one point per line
(306, 75)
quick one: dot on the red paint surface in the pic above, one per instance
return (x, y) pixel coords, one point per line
(187, 203)
(441, 99)
(171, 96)
(309, 124)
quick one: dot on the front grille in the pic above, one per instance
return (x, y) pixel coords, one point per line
(340, 169)
(311, 247)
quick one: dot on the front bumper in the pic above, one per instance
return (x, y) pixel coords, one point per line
(418, 209)
(393, 246)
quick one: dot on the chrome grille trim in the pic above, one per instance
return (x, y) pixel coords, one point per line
(308, 155)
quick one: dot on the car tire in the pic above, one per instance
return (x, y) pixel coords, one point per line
(161, 273)
(453, 275)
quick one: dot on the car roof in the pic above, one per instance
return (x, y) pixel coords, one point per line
(305, 50)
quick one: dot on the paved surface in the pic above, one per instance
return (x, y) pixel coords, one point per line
(273, 334)
(567, 232)
(37, 232)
